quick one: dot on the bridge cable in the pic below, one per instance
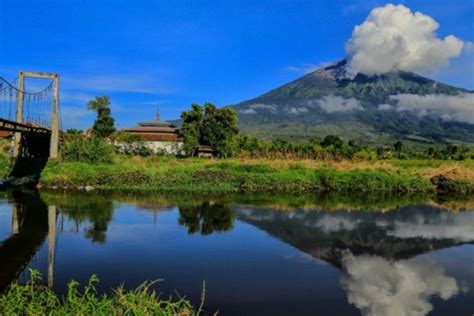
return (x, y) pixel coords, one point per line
(37, 104)
(24, 91)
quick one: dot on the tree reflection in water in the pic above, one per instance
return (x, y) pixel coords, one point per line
(206, 218)
(90, 208)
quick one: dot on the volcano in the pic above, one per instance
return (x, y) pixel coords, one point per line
(362, 108)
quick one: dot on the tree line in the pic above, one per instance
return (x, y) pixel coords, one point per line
(217, 128)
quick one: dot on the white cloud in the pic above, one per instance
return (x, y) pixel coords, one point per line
(457, 226)
(297, 110)
(385, 107)
(247, 111)
(264, 107)
(394, 38)
(381, 287)
(335, 223)
(332, 103)
(459, 108)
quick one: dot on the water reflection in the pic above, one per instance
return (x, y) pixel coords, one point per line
(95, 212)
(32, 223)
(383, 287)
(400, 233)
(206, 218)
(377, 251)
(379, 247)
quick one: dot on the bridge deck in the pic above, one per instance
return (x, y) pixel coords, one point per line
(11, 126)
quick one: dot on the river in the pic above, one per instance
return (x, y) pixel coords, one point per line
(258, 254)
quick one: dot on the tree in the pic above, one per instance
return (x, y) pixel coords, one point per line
(191, 128)
(431, 152)
(354, 144)
(104, 123)
(453, 149)
(315, 141)
(210, 126)
(332, 140)
(398, 146)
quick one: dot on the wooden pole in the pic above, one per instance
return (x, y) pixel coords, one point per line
(19, 113)
(54, 142)
(51, 243)
(15, 218)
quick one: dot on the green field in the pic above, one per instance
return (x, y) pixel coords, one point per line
(253, 175)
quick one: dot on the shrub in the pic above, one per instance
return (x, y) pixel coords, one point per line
(451, 186)
(77, 148)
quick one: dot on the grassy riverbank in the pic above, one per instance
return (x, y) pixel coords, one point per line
(33, 299)
(252, 175)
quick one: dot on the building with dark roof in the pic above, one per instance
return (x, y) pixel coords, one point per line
(159, 136)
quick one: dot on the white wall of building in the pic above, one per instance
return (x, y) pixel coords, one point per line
(168, 147)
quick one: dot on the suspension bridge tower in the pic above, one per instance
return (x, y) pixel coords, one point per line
(36, 115)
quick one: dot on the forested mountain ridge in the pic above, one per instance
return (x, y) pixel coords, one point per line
(374, 109)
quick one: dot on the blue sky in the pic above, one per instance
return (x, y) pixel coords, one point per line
(168, 54)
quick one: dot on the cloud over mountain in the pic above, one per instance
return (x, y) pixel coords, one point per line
(332, 103)
(459, 108)
(253, 108)
(394, 38)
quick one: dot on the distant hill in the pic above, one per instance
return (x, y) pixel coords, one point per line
(327, 101)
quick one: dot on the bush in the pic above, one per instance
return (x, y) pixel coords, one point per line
(451, 186)
(77, 148)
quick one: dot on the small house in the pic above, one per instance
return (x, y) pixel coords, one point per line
(205, 151)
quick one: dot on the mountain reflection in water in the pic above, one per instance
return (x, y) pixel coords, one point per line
(259, 254)
(376, 250)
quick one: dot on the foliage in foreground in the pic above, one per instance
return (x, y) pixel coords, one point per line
(32, 299)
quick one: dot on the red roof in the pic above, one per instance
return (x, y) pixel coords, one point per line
(155, 131)
(143, 129)
(5, 134)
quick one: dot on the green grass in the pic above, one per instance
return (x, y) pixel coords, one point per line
(32, 299)
(253, 175)
(5, 165)
(171, 174)
(410, 165)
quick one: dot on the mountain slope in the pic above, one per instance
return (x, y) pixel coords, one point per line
(327, 101)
